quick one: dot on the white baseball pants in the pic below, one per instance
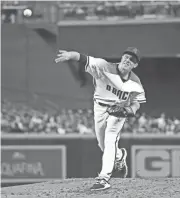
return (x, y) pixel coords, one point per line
(107, 130)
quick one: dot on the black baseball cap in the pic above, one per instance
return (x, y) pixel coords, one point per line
(133, 51)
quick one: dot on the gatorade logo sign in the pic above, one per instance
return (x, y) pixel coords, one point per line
(155, 161)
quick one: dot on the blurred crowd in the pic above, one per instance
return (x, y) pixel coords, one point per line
(91, 10)
(18, 118)
(115, 10)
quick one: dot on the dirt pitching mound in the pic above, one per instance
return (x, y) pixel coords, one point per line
(121, 188)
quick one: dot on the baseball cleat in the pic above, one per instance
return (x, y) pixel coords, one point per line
(121, 165)
(101, 184)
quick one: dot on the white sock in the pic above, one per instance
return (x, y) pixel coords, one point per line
(119, 154)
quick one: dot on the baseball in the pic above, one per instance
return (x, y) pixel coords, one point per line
(27, 12)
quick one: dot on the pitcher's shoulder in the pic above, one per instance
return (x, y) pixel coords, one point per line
(111, 67)
(135, 78)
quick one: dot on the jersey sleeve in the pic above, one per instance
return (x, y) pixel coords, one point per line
(138, 93)
(140, 97)
(95, 66)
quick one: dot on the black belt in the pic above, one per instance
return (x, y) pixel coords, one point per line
(103, 104)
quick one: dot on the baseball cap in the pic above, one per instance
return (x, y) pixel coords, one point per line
(133, 51)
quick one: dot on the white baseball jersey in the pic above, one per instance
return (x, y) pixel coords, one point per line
(110, 87)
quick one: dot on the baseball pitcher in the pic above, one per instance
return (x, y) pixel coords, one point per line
(117, 96)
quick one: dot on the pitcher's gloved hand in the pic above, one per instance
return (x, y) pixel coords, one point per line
(119, 111)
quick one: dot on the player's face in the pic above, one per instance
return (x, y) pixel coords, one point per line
(128, 62)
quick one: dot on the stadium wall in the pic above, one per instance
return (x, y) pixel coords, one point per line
(30, 74)
(109, 39)
(35, 158)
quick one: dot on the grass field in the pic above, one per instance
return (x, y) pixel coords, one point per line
(121, 188)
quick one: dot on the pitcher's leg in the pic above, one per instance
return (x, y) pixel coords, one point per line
(119, 151)
(108, 156)
(114, 126)
(100, 127)
(100, 117)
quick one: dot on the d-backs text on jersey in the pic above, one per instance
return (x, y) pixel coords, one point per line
(123, 95)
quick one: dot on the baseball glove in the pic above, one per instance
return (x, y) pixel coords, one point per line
(118, 111)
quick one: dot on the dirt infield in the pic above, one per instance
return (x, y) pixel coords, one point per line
(121, 188)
